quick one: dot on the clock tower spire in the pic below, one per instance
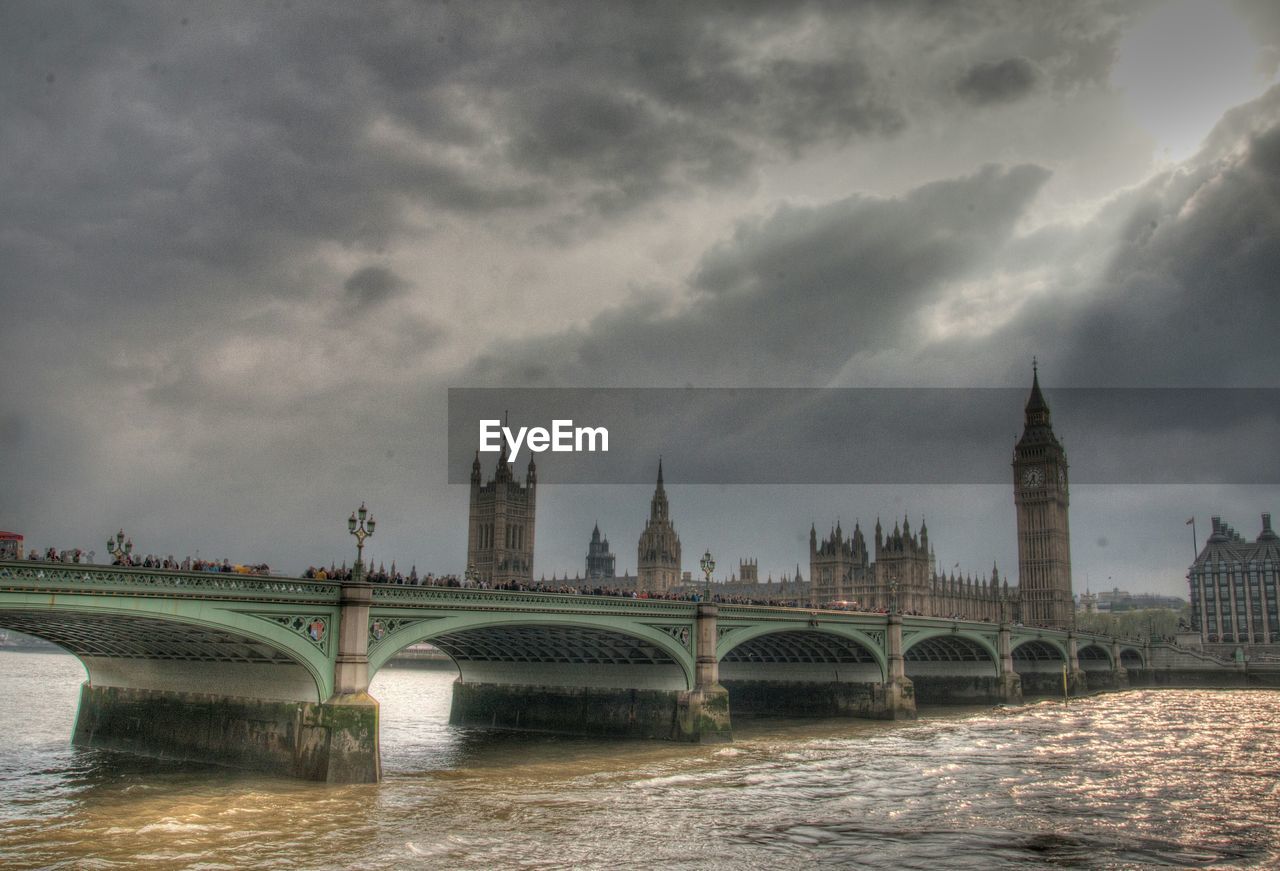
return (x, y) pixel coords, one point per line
(1040, 498)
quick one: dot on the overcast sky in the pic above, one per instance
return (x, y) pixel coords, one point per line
(246, 248)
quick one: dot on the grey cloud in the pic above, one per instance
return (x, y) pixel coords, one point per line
(172, 188)
(373, 285)
(789, 297)
(1190, 293)
(998, 82)
(12, 429)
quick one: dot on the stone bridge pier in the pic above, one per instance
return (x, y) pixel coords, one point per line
(813, 664)
(632, 682)
(951, 665)
(211, 667)
(248, 715)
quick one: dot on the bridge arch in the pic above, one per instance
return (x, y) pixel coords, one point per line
(187, 646)
(947, 654)
(859, 644)
(546, 649)
(1038, 656)
(1094, 657)
(1131, 657)
(949, 651)
(798, 653)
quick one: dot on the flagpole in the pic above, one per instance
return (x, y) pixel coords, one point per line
(1195, 543)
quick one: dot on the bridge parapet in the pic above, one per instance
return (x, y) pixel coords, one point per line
(81, 578)
(399, 596)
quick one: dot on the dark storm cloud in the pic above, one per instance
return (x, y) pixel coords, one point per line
(373, 285)
(790, 296)
(998, 82)
(173, 166)
(1187, 297)
(181, 206)
(1190, 294)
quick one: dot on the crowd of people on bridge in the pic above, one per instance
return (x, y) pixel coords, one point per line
(381, 575)
(53, 555)
(190, 564)
(150, 561)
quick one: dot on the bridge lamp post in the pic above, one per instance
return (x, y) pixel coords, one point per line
(471, 576)
(361, 529)
(708, 566)
(119, 546)
(893, 595)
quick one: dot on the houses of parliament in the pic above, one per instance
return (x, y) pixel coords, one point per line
(896, 570)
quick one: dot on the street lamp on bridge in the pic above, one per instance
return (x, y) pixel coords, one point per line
(118, 546)
(708, 566)
(471, 576)
(893, 595)
(361, 529)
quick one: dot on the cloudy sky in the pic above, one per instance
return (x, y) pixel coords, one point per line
(245, 249)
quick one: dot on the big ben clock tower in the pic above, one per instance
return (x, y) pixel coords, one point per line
(1040, 499)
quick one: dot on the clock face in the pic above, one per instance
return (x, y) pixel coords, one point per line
(1032, 477)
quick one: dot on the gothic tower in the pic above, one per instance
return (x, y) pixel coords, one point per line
(600, 560)
(658, 564)
(1040, 499)
(500, 528)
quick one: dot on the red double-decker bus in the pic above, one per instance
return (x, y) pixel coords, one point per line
(10, 545)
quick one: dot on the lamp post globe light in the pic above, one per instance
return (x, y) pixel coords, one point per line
(118, 546)
(361, 528)
(708, 566)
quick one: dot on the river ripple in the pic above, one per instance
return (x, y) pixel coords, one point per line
(1159, 778)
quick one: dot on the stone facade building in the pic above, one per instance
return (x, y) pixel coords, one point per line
(1233, 587)
(658, 554)
(501, 525)
(1041, 498)
(601, 563)
(900, 571)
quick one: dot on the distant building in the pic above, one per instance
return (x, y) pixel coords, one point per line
(791, 588)
(1122, 600)
(600, 561)
(658, 554)
(1107, 599)
(900, 571)
(1233, 587)
(10, 545)
(501, 526)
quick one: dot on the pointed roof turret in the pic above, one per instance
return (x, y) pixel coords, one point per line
(1037, 428)
(1035, 402)
(658, 505)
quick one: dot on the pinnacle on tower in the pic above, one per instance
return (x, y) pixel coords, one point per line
(1035, 402)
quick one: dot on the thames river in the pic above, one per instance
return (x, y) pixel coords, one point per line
(1166, 778)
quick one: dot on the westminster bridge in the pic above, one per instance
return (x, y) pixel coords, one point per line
(273, 673)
